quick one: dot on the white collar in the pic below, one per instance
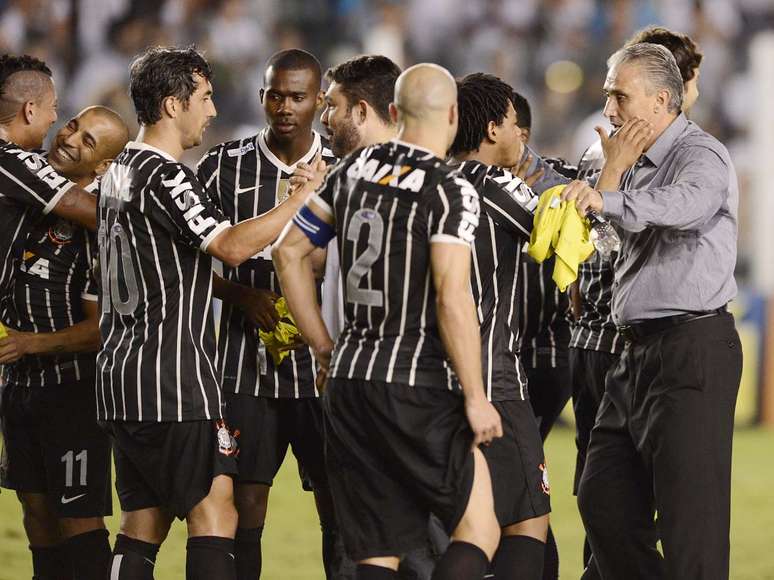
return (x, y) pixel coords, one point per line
(308, 156)
(413, 146)
(146, 147)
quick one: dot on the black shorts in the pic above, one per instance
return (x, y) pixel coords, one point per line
(394, 455)
(53, 445)
(169, 465)
(265, 428)
(517, 466)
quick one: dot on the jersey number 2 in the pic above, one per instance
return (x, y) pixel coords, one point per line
(364, 261)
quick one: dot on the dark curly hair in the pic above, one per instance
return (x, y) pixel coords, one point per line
(481, 98)
(682, 47)
(369, 78)
(10, 64)
(162, 72)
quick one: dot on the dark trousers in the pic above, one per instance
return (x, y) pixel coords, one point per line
(588, 370)
(662, 443)
(549, 391)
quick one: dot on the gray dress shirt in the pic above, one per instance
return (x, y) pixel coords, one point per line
(677, 208)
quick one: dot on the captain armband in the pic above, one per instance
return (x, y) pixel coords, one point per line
(317, 230)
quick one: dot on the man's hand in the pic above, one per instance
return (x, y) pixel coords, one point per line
(15, 345)
(257, 304)
(308, 177)
(625, 147)
(521, 171)
(484, 420)
(323, 356)
(584, 196)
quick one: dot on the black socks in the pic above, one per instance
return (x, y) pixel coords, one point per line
(50, 563)
(247, 552)
(89, 555)
(210, 558)
(462, 561)
(133, 559)
(519, 557)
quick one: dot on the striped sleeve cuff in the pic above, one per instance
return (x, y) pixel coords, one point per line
(322, 204)
(447, 239)
(214, 234)
(55, 200)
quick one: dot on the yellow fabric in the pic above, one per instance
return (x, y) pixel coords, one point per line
(559, 230)
(3, 332)
(284, 334)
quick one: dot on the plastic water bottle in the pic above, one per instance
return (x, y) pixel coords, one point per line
(603, 234)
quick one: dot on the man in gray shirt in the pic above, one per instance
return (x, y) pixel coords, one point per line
(662, 441)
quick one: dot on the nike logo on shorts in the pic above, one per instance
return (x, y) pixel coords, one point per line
(66, 500)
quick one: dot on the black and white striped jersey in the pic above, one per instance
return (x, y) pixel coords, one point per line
(245, 179)
(390, 202)
(29, 187)
(545, 311)
(51, 280)
(157, 361)
(507, 215)
(595, 329)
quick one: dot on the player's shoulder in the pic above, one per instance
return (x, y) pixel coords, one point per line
(326, 152)
(228, 151)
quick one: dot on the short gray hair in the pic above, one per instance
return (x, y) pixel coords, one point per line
(658, 65)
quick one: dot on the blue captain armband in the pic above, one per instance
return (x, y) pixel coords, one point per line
(317, 230)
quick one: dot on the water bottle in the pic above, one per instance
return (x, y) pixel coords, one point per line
(603, 234)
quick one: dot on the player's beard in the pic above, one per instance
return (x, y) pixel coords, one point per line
(345, 139)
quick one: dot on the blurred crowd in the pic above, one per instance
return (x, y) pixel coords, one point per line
(553, 51)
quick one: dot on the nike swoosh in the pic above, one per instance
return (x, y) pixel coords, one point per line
(69, 499)
(240, 190)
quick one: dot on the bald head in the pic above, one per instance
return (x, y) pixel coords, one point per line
(424, 91)
(86, 145)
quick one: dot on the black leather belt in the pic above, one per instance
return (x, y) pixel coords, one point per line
(639, 330)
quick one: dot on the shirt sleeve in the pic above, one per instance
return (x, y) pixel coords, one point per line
(28, 179)
(699, 189)
(454, 212)
(180, 203)
(509, 202)
(323, 198)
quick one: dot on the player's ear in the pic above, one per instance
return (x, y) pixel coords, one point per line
(361, 111)
(28, 111)
(102, 167)
(491, 131)
(525, 135)
(169, 106)
(662, 101)
(393, 113)
(453, 114)
(319, 101)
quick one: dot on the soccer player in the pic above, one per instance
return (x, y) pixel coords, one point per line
(157, 389)
(55, 455)
(273, 406)
(29, 186)
(398, 433)
(488, 141)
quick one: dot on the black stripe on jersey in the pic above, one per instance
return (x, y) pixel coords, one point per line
(29, 188)
(158, 336)
(245, 179)
(595, 330)
(52, 279)
(390, 202)
(506, 223)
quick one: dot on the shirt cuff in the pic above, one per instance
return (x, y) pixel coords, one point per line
(89, 297)
(214, 234)
(612, 204)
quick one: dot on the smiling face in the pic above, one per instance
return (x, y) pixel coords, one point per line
(197, 114)
(339, 120)
(84, 143)
(290, 100)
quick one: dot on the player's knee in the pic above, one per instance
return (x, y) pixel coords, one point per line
(40, 520)
(216, 514)
(251, 501)
(148, 525)
(72, 527)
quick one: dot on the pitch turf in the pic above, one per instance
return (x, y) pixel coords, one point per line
(292, 538)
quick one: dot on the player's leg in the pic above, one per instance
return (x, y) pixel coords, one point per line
(77, 456)
(477, 534)
(615, 495)
(23, 469)
(305, 416)
(690, 422)
(262, 445)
